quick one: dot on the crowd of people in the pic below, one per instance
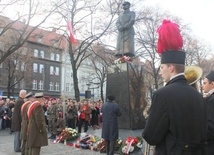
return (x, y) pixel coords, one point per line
(6, 111)
(33, 111)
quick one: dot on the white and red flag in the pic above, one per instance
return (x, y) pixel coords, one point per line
(70, 29)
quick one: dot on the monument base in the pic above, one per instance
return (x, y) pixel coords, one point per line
(123, 82)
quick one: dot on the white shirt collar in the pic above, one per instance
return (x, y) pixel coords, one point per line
(176, 75)
(211, 91)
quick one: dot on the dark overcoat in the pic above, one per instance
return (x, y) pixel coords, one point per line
(176, 122)
(17, 118)
(37, 132)
(210, 124)
(110, 112)
(95, 116)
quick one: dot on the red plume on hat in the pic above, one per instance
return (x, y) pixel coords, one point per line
(169, 37)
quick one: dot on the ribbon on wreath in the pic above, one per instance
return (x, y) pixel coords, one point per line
(129, 145)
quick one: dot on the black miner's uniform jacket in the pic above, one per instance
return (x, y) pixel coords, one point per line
(176, 123)
(210, 124)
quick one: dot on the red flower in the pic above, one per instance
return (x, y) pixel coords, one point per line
(77, 145)
(129, 139)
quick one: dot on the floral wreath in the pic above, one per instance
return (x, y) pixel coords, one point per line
(123, 59)
(131, 144)
(67, 134)
(94, 142)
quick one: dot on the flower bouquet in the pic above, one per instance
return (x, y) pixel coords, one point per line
(100, 145)
(122, 59)
(131, 144)
(67, 134)
(87, 141)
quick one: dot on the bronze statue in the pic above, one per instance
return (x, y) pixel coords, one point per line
(125, 40)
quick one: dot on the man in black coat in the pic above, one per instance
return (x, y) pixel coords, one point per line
(17, 120)
(176, 122)
(110, 112)
(208, 87)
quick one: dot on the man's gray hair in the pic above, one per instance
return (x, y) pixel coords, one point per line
(22, 92)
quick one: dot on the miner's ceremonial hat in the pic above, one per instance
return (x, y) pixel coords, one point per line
(170, 43)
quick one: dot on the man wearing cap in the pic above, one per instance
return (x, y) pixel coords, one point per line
(125, 39)
(53, 113)
(17, 119)
(37, 132)
(24, 125)
(208, 87)
(110, 112)
(176, 122)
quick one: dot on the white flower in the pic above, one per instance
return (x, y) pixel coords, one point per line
(120, 141)
(124, 149)
(139, 145)
(131, 149)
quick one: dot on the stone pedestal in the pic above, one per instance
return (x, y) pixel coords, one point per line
(126, 83)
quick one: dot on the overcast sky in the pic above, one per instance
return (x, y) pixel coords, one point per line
(198, 13)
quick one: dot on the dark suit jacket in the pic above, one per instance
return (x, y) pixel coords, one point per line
(17, 118)
(176, 119)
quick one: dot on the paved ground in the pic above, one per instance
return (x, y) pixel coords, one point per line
(6, 144)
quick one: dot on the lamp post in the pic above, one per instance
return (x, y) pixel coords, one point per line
(94, 86)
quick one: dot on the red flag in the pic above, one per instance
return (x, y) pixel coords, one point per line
(70, 29)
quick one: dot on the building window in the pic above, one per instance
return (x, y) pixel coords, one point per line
(24, 51)
(67, 87)
(57, 86)
(34, 85)
(51, 70)
(1, 65)
(16, 84)
(72, 85)
(2, 46)
(42, 54)
(67, 59)
(35, 67)
(57, 71)
(22, 84)
(39, 39)
(51, 86)
(16, 63)
(41, 85)
(57, 57)
(1, 30)
(23, 66)
(52, 56)
(36, 53)
(41, 68)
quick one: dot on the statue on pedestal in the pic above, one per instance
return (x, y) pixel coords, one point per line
(125, 40)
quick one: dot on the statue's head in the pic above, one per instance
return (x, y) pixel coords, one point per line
(126, 3)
